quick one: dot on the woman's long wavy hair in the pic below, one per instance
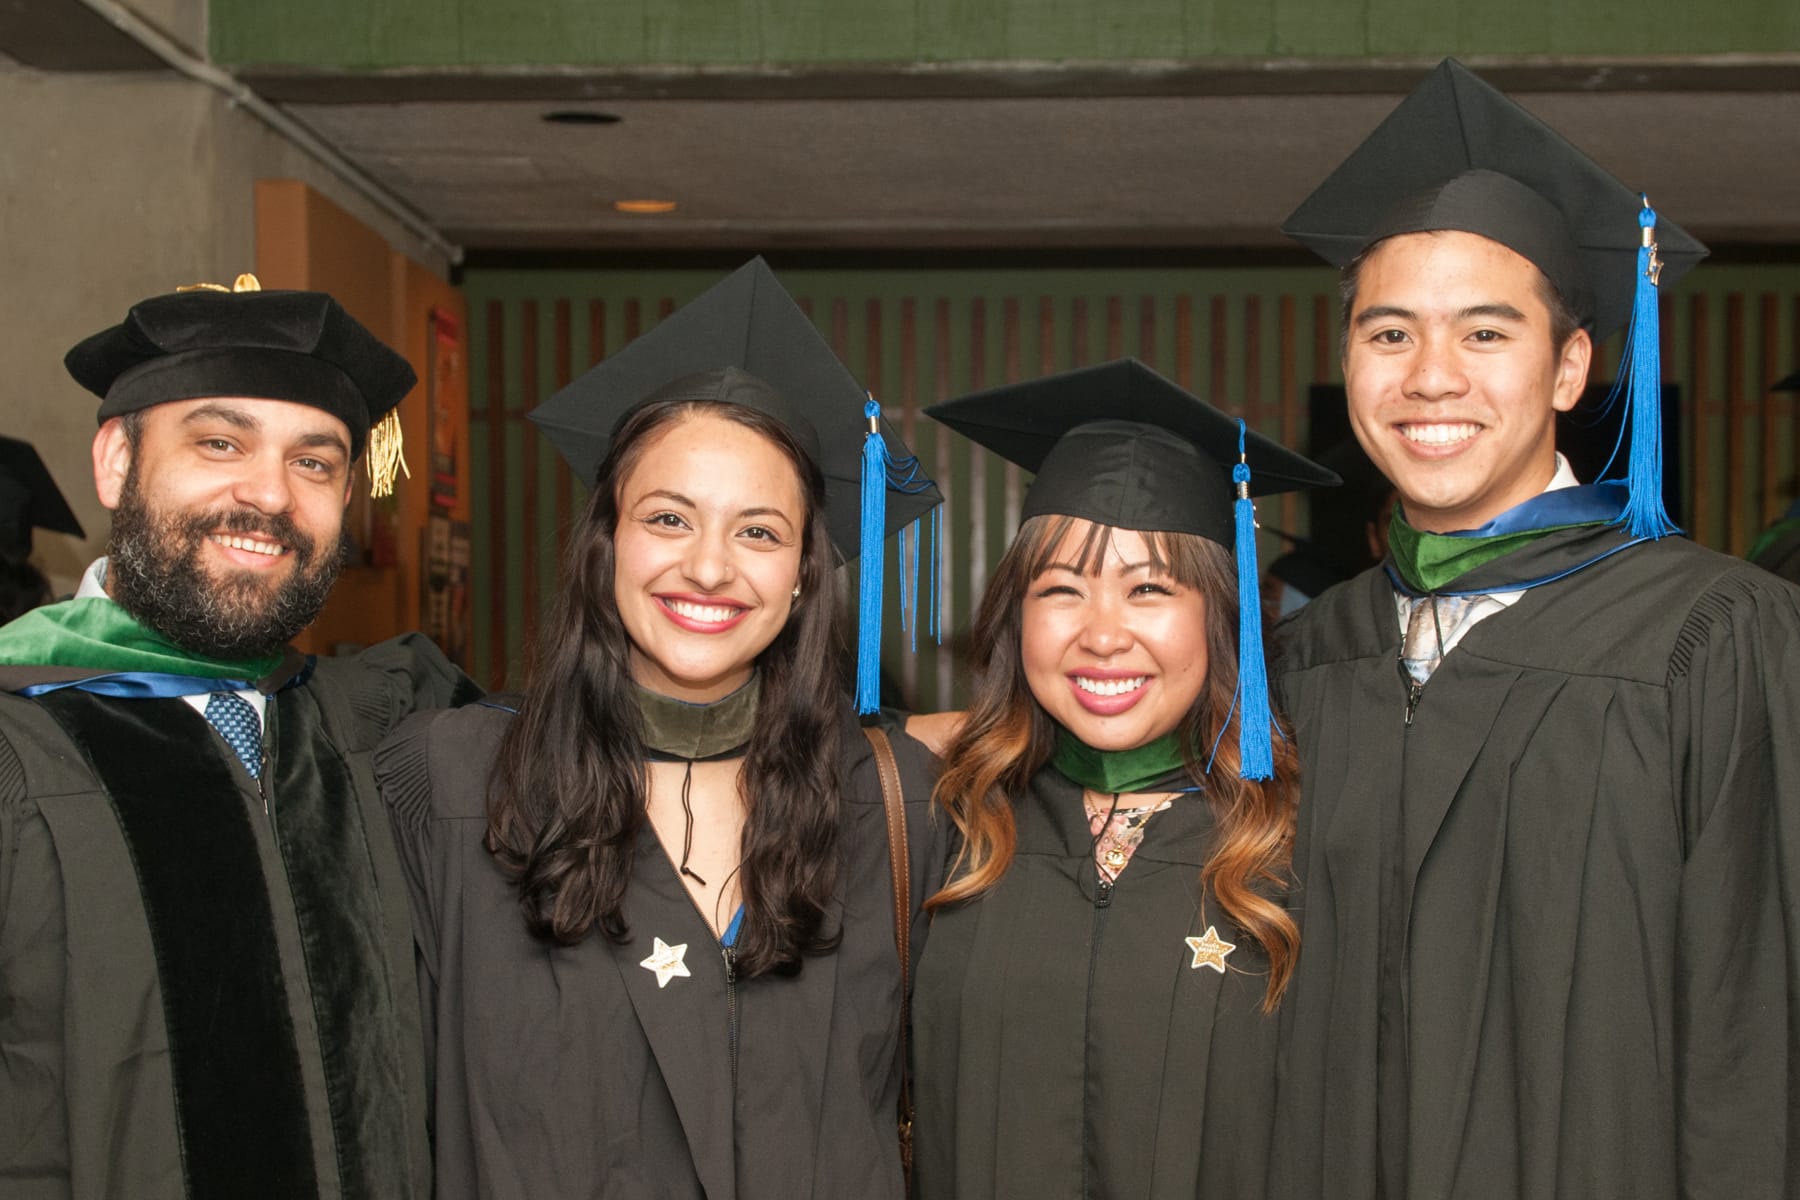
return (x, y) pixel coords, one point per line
(567, 795)
(1007, 738)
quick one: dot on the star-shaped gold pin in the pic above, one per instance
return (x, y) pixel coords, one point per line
(667, 964)
(1209, 950)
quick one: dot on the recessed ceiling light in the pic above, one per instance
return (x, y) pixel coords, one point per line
(644, 206)
(579, 116)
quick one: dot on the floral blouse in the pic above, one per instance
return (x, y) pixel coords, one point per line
(1117, 838)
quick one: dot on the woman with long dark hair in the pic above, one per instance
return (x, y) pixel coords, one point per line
(654, 913)
(1094, 1013)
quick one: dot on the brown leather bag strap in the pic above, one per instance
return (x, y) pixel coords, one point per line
(893, 799)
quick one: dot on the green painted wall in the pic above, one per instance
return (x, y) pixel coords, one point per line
(370, 34)
(911, 337)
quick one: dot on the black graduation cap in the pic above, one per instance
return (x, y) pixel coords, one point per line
(1787, 383)
(1458, 155)
(276, 345)
(1121, 445)
(29, 499)
(748, 321)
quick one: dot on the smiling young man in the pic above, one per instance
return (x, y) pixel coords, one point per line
(205, 970)
(1548, 839)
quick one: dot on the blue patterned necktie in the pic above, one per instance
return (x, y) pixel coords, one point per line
(236, 722)
(1431, 625)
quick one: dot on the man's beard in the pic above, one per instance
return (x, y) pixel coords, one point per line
(153, 570)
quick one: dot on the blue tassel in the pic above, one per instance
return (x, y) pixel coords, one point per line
(1256, 722)
(937, 574)
(872, 536)
(909, 584)
(880, 473)
(1644, 514)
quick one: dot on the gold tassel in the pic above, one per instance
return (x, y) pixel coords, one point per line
(387, 455)
(244, 283)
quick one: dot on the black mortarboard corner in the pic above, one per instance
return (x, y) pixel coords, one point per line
(1458, 155)
(1787, 383)
(1122, 446)
(29, 499)
(749, 321)
(301, 347)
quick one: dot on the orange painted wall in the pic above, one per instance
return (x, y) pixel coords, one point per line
(303, 240)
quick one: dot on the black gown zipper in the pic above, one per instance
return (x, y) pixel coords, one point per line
(1414, 689)
(1103, 890)
(731, 1008)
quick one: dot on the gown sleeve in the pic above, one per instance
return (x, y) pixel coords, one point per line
(402, 771)
(1734, 696)
(404, 675)
(12, 799)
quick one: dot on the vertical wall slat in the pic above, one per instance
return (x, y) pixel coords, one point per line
(1321, 346)
(528, 390)
(1251, 403)
(1216, 393)
(979, 501)
(1770, 481)
(1146, 330)
(1700, 338)
(1671, 367)
(596, 332)
(1115, 328)
(1014, 358)
(954, 504)
(496, 491)
(564, 366)
(872, 364)
(1078, 332)
(1736, 454)
(840, 328)
(1184, 341)
(1287, 394)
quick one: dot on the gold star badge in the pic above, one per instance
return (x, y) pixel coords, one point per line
(1209, 950)
(667, 964)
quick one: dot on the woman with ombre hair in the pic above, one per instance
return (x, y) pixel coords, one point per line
(1094, 1013)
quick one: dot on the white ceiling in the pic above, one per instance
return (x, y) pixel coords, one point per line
(1178, 172)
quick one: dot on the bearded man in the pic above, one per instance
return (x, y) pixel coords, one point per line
(206, 983)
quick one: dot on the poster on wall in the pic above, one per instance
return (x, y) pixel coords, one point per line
(444, 606)
(444, 386)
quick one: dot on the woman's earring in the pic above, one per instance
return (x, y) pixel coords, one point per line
(796, 591)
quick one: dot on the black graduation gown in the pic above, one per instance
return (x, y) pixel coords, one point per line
(1549, 944)
(205, 983)
(568, 1071)
(1065, 1044)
